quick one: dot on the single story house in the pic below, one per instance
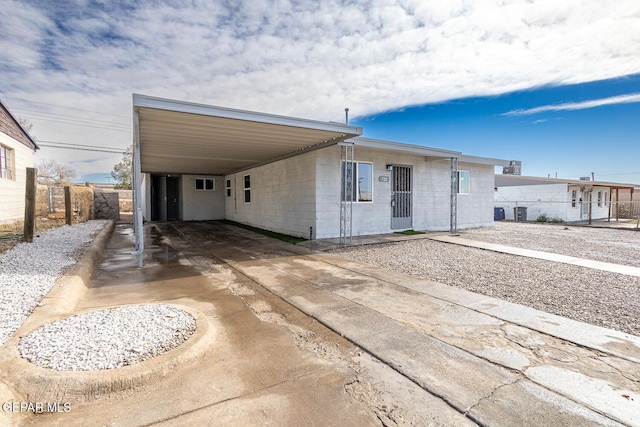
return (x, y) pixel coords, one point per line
(16, 154)
(561, 199)
(296, 176)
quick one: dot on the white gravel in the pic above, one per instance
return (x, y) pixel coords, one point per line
(108, 339)
(599, 244)
(600, 298)
(29, 270)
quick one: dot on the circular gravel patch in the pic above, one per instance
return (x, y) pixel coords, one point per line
(108, 339)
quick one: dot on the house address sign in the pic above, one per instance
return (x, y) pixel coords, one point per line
(383, 178)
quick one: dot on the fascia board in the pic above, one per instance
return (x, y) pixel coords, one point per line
(405, 148)
(144, 101)
(483, 160)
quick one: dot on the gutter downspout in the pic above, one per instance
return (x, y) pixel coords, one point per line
(137, 187)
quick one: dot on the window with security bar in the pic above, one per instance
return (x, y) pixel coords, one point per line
(359, 185)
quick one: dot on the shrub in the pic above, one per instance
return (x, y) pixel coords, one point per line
(542, 218)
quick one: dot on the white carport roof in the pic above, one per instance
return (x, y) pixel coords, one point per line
(183, 137)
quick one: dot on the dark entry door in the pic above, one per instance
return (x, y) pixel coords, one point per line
(158, 194)
(401, 197)
(173, 195)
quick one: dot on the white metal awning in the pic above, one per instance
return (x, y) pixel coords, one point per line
(182, 137)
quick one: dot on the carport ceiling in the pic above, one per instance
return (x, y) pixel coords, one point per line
(179, 137)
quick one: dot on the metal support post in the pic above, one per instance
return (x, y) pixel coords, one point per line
(346, 198)
(453, 206)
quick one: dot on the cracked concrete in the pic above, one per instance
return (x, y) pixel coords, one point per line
(450, 343)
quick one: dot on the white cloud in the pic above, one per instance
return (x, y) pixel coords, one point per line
(622, 99)
(303, 58)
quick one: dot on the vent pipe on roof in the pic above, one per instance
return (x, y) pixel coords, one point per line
(346, 115)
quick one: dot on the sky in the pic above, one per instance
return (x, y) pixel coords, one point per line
(554, 84)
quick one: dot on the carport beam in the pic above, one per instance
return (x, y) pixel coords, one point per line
(137, 188)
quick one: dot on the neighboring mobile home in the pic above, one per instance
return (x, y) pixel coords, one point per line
(16, 154)
(300, 177)
(559, 199)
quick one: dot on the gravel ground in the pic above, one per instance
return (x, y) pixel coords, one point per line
(29, 270)
(608, 245)
(108, 339)
(600, 298)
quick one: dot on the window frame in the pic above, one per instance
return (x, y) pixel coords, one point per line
(6, 163)
(205, 181)
(246, 188)
(600, 198)
(356, 189)
(228, 187)
(574, 198)
(460, 181)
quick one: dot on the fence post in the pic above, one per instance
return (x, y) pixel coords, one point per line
(30, 205)
(67, 204)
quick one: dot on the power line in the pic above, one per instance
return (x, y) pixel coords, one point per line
(40, 114)
(79, 145)
(69, 108)
(81, 149)
(86, 125)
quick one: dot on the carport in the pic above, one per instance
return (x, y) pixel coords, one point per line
(175, 137)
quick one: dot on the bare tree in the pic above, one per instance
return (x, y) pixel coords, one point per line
(52, 172)
(25, 123)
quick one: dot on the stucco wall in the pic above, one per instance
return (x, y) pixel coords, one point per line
(12, 190)
(200, 204)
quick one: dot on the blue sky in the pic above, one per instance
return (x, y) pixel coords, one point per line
(582, 128)
(553, 84)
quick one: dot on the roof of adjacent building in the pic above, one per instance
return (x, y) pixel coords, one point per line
(10, 126)
(515, 180)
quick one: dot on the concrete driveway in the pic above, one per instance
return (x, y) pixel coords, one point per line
(306, 338)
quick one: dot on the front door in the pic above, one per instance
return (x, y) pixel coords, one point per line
(401, 197)
(165, 198)
(586, 201)
(173, 194)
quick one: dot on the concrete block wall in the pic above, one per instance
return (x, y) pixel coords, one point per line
(199, 205)
(12, 190)
(551, 200)
(475, 209)
(430, 193)
(283, 196)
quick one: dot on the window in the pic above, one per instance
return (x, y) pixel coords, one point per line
(6, 162)
(599, 198)
(247, 188)
(574, 198)
(205, 184)
(463, 182)
(606, 197)
(362, 177)
(228, 188)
